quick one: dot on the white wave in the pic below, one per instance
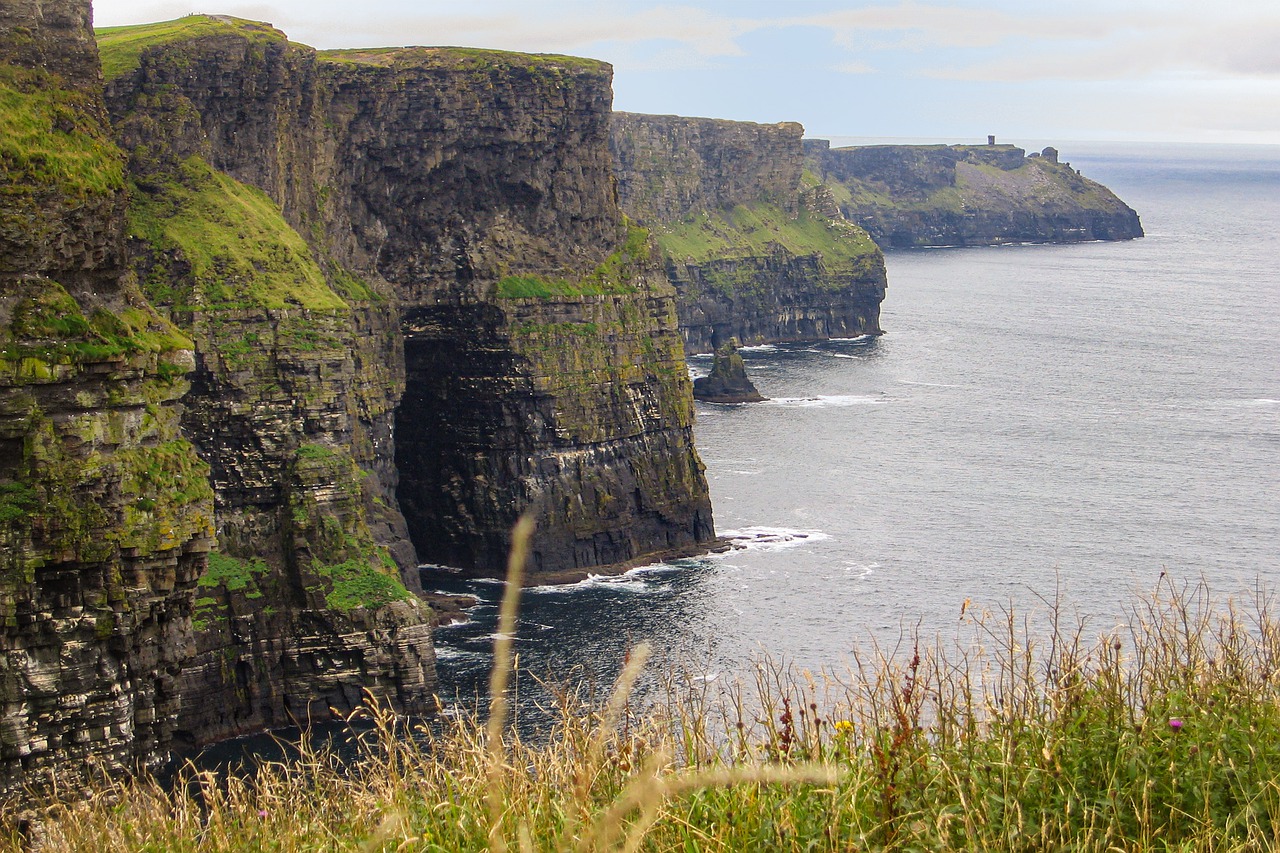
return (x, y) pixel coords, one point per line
(825, 401)
(858, 339)
(760, 538)
(626, 582)
(862, 569)
(929, 384)
(759, 348)
(453, 653)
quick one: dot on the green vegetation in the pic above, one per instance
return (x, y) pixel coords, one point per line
(17, 500)
(1158, 735)
(53, 140)
(758, 229)
(462, 58)
(240, 250)
(121, 48)
(614, 275)
(231, 573)
(48, 325)
(356, 583)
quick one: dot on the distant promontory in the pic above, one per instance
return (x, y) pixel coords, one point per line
(967, 195)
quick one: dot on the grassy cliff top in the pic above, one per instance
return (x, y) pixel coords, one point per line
(121, 48)
(463, 58)
(753, 229)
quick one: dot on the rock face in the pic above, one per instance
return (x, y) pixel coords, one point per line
(299, 369)
(727, 382)
(544, 370)
(295, 294)
(968, 195)
(106, 513)
(755, 249)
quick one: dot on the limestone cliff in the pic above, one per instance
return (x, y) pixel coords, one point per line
(544, 371)
(301, 293)
(472, 191)
(298, 372)
(968, 195)
(106, 513)
(754, 250)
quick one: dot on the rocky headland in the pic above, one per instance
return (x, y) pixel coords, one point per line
(755, 250)
(967, 195)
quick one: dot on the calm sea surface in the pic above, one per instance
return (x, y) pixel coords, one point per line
(1036, 417)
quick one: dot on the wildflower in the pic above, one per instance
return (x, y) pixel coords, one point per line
(262, 812)
(843, 727)
(1175, 723)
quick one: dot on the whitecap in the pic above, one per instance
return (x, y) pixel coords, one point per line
(454, 653)
(761, 538)
(929, 384)
(759, 348)
(825, 401)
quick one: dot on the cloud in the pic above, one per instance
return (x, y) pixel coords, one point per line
(988, 44)
(547, 28)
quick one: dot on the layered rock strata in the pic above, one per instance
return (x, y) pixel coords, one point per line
(307, 226)
(106, 513)
(298, 372)
(544, 371)
(755, 250)
(968, 195)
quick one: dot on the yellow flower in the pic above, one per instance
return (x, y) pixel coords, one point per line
(843, 727)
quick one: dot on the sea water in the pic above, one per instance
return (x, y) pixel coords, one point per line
(1038, 424)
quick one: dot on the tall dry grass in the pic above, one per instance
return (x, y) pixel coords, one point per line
(1161, 734)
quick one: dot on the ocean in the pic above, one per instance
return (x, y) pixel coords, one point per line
(1039, 424)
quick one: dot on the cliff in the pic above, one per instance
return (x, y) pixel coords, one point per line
(967, 195)
(754, 250)
(298, 372)
(281, 297)
(544, 370)
(106, 513)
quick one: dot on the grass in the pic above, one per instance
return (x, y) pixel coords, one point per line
(757, 229)
(53, 139)
(48, 325)
(357, 583)
(240, 250)
(463, 58)
(614, 274)
(121, 48)
(1160, 734)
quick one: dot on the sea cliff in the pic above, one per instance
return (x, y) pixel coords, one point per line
(755, 251)
(967, 195)
(276, 325)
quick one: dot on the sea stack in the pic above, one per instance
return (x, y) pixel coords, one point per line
(728, 382)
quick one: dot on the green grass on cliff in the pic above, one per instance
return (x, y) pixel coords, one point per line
(48, 325)
(756, 229)
(614, 275)
(224, 244)
(1024, 734)
(121, 48)
(462, 58)
(53, 141)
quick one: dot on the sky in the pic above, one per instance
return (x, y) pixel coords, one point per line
(1110, 70)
